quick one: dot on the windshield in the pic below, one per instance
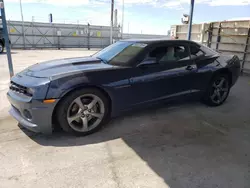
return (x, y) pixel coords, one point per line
(120, 53)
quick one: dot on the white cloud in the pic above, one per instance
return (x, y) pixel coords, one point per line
(239, 18)
(55, 2)
(177, 4)
(229, 2)
(130, 1)
(173, 4)
(137, 1)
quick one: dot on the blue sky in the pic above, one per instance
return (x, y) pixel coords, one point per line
(141, 16)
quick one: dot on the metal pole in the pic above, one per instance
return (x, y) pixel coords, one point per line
(122, 17)
(190, 20)
(33, 40)
(6, 38)
(21, 9)
(88, 37)
(111, 22)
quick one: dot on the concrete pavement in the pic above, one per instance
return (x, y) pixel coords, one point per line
(185, 145)
(179, 146)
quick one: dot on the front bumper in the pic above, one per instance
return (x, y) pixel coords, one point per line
(41, 113)
(17, 115)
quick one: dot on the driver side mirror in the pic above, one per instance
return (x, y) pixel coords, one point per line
(147, 62)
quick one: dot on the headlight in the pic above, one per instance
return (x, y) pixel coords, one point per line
(30, 91)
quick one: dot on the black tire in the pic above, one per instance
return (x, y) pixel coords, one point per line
(209, 98)
(1, 47)
(64, 105)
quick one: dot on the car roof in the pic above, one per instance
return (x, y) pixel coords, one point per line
(158, 40)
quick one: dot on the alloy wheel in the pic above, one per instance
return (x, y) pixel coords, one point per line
(1, 47)
(85, 113)
(220, 89)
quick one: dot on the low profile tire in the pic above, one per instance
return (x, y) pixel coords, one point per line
(218, 90)
(83, 111)
(1, 47)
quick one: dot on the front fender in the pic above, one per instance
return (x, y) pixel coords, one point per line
(58, 88)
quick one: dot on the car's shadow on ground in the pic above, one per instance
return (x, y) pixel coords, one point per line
(133, 123)
(187, 145)
(180, 144)
(178, 120)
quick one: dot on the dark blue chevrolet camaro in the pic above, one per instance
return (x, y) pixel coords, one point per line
(81, 94)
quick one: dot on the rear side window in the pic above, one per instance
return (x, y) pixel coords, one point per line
(196, 52)
(208, 51)
(165, 54)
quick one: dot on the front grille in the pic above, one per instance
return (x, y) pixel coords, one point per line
(19, 89)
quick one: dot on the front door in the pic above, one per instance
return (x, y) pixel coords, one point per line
(172, 75)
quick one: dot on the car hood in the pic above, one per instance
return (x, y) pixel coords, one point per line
(61, 67)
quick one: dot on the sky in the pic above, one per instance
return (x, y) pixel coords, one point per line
(140, 16)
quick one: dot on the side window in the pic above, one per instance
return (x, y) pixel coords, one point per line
(157, 53)
(175, 54)
(166, 54)
(195, 52)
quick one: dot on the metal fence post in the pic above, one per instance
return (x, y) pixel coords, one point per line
(58, 42)
(190, 20)
(210, 35)
(88, 39)
(202, 33)
(6, 38)
(122, 29)
(111, 22)
(218, 37)
(245, 50)
(21, 9)
(33, 40)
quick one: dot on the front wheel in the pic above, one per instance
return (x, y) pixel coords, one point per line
(83, 111)
(1, 47)
(218, 90)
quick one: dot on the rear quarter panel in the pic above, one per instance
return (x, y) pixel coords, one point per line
(233, 65)
(205, 71)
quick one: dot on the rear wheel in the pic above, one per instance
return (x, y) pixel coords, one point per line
(218, 90)
(83, 112)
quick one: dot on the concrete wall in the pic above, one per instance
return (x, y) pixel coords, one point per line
(227, 37)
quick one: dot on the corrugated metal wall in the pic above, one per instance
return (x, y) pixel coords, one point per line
(46, 35)
(227, 37)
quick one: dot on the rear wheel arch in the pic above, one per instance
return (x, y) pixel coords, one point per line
(54, 121)
(224, 71)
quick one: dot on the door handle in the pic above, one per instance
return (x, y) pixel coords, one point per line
(190, 67)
